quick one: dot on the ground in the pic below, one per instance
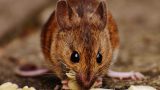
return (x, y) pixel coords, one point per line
(139, 28)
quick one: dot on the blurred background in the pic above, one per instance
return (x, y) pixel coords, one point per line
(21, 22)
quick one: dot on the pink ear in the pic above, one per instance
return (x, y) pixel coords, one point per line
(101, 15)
(63, 14)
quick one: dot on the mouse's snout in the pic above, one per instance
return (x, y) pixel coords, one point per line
(85, 81)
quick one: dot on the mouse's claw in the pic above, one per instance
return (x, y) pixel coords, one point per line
(126, 75)
(98, 83)
(57, 87)
(65, 85)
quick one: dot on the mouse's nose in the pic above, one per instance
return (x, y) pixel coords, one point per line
(85, 81)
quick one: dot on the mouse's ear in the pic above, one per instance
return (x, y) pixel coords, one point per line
(100, 15)
(64, 14)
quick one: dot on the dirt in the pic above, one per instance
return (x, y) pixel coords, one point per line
(139, 28)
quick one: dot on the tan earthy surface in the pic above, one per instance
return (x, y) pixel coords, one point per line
(139, 27)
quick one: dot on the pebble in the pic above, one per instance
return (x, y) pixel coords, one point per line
(141, 88)
(11, 86)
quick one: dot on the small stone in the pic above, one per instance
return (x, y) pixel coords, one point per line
(141, 88)
(11, 86)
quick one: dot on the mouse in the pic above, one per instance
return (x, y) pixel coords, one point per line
(82, 36)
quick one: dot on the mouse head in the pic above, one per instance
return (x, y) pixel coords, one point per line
(82, 40)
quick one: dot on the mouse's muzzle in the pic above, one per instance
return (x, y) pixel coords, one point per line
(85, 81)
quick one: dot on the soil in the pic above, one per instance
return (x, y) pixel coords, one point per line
(139, 28)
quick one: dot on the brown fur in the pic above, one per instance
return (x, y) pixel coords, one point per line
(87, 31)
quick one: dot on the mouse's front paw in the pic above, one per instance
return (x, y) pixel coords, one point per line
(98, 83)
(126, 75)
(65, 85)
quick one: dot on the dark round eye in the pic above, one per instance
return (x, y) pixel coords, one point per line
(75, 57)
(99, 58)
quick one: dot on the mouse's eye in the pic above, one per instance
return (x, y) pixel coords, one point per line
(75, 57)
(99, 58)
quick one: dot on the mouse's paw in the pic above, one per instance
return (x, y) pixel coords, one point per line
(65, 85)
(98, 83)
(126, 75)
